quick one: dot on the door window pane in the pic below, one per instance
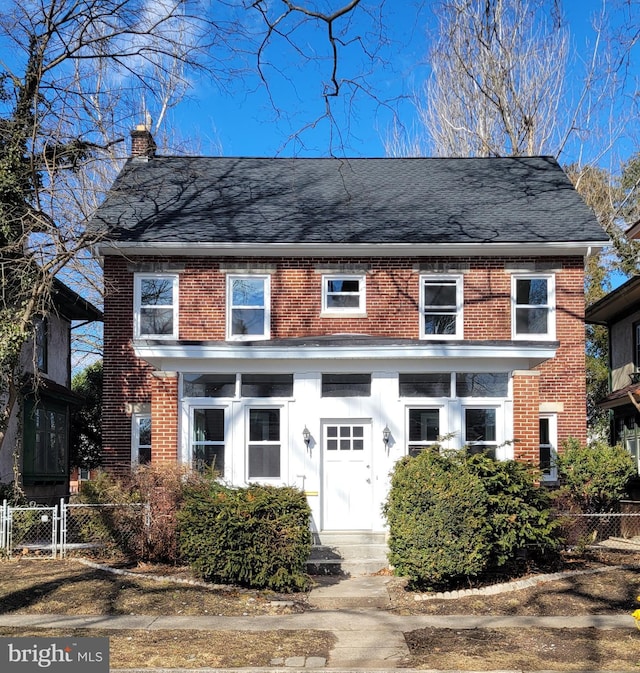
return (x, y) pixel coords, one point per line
(480, 431)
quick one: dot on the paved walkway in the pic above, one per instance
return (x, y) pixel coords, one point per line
(367, 636)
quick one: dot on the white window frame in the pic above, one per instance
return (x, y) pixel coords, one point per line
(264, 407)
(550, 306)
(440, 408)
(266, 333)
(479, 404)
(552, 418)
(196, 405)
(137, 303)
(459, 306)
(346, 311)
(135, 436)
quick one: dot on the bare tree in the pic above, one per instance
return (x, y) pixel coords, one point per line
(75, 75)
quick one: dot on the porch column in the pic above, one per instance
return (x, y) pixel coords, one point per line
(164, 417)
(526, 413)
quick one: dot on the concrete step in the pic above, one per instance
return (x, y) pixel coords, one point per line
(351, 553)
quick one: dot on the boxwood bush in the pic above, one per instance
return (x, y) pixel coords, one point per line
(454, 516)
(258, 536)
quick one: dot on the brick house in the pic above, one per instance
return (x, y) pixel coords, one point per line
(37, 438)
(310, 321)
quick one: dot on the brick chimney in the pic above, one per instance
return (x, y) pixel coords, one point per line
(142, 142)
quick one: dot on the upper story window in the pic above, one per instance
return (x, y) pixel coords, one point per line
(441, 302)
(343, 294)
(248, 307)
(40, 355)
(533, 306)
(156, 306)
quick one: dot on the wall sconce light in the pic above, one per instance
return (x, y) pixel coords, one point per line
(386, 434)
(306, 435)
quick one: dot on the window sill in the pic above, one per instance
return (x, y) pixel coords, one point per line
(343, 314)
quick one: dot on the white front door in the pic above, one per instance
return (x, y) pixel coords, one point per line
(347, 491)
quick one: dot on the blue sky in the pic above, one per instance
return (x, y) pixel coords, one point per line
(241, 120)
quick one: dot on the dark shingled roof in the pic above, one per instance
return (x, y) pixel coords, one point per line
(259, 200)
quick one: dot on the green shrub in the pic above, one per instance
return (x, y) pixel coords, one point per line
(437, 516)
(594, 477)
(453, 517)
(518, 510)
(257, 536)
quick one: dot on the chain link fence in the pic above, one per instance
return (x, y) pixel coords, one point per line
(100, 530)
(580, 530)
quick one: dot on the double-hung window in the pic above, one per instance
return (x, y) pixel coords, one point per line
(424, 429)
(141, 439)
(548, 438)
(248, 307)
(264, 444)
(156, 306)
(533, 306)
(343, 294)
(441, 300)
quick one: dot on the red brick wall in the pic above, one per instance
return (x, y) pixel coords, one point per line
(164, 417)
(392, 291)
(526, 405)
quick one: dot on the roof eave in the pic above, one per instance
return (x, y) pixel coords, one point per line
(181, 357)
(340, 249)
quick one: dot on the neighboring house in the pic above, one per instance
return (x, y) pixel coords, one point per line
(311, 321)
(37, 439)
(619, 311)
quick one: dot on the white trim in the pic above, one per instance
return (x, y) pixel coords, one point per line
(137, 305)
(550, 334)
(210, 356)
(240, 249)
(459, 307)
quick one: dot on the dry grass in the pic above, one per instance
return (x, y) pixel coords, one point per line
(529, 649)
(66, 587)
(196, 649)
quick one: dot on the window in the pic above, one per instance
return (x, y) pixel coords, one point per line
(482, 385)
(209, 385)
(141, 439)
(207, 446)
(264, 444)
(40, 332)
(45, 443)
(533, 307)
(345, 437)
(346, 385)
(248, 301)
(636, 346)
(425, 385)
(266, 385)
(424, 429)
(480, 431)
(548, 438)
(441, 307)
(627, 433)
(156, 306)
(343, 294)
